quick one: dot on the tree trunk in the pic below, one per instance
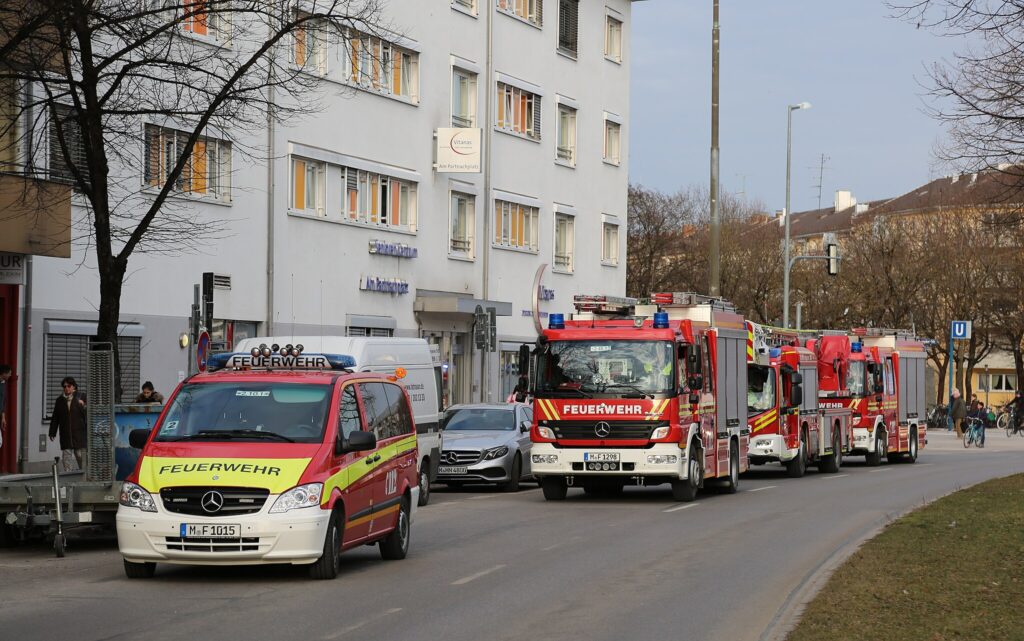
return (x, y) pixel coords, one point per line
(111, 283)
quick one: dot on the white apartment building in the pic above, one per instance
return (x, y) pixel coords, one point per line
(351, 230)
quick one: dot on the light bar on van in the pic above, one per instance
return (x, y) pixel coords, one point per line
(240, 360)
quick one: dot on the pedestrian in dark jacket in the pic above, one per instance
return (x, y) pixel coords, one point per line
(149, 395)
(957, 412)
(68, 420)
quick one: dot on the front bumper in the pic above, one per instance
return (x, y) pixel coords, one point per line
(292, 537)
(863, 441)
(770, 448)
(548, 460)
(493, 471)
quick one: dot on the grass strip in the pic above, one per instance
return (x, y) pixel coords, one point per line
(950, 571)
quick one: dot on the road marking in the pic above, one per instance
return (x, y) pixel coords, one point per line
(881, 469)
(356, 626)
(924, 464)
(481, 497)
(550, 547)
(766, 487)
(836, 476)
(680, 507)
(472, 577)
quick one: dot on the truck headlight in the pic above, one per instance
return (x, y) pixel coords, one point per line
(495, 452)
(661, 432)
(546, 432)
(133, 495)
(298, 497)
(545, 458)
(662, 459)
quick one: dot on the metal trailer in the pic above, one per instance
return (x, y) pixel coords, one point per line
(48, 504)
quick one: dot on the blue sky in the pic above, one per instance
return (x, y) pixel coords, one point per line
(862, 71)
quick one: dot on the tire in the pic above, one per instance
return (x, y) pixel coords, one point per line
(512, 484)
(874, 459)
(395, 546)
(1003, 423)
(912, 453)
(554, 487)
(831, 464)
(8, 534)
(967, 439)
(424, 483)
(686, 489)
(59, 545)
(797, 467)
(139, 570)
(329, 563)
(732, 484)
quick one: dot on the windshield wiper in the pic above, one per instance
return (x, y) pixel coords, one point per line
(232, 434)
(639, 391)
(571, 390)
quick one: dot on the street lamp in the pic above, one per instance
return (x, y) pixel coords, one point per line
(789, 162)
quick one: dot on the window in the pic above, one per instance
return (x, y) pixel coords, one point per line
(308, 186)
(198, 21)
(610, 244)
(462, 224)
(1000, 382)
(463, 98)
(566, 150)
(401, 423)
(613, 39)
(65, 355)
(890, 382)
(568, 26)
(67, 149)
(468, 5)
(8, 124)
(309, 50)
(348, 412)
(564, 239)
(518, 111)
(386, 409)
(207, 166)
(529, 10)
(375, 332)
(377, 199)
(611, 142)
(381, 66)
(760, 389)
(515, 226)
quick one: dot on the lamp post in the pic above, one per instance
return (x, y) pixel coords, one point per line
(789, 162)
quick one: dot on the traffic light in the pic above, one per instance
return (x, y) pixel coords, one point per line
(208, 300)
(832, 251)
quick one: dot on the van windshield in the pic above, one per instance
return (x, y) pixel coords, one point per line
(270, 412)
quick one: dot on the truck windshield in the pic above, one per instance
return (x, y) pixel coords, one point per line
(271, 412)
(760, 389)
(616, 367)
(855, 378)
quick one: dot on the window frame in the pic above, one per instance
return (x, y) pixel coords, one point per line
(467, 252)
(523, 221)
(319, 209)
(568, 34)
(566, 154)
(614, 54)
(216, 163)
(610, 259)
(565, 223)
(611, 126)
(470, 119)
(375, 71)
(311, 35)
(533, 10)
(376, 195)
(514, 98)
(468, 7)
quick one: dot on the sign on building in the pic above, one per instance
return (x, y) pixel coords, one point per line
(458, 150)
(12, 269)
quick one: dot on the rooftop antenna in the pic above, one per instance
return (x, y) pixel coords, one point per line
(821, 177)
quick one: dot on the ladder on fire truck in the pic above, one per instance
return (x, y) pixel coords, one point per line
(627, 306)
(879, 332)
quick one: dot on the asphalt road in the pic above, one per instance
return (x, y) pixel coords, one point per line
(486, 565)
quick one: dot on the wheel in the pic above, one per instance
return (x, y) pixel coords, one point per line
(554, 487)
(831, 464)
(512, 484)
(967, 439)
(912, 453)
(8, 534)
(424, 483)
(732, 484)
(875, 458)
(139, 570)
(395, 545)
(1003, 423)
(686, 489)
(798, 466)
(327, 566)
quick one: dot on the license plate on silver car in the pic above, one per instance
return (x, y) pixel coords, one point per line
(448, 469)
(601, 457)
(210, 531)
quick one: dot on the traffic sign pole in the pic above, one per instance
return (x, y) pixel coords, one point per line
(958, 330)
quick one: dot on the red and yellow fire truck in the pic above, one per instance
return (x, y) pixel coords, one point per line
(641, 394)
(884, 387)
(789, 422)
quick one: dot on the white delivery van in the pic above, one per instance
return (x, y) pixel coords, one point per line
(421, 361)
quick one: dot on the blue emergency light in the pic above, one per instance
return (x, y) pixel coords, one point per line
(556, 321)
(661, 320)
(246, 360)
(774, 352)
(856, 348)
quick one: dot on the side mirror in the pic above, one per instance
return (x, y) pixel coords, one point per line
(879, 388)
(360, 441)
(796, 378)
(796, 395)
(138, 438)
(524, 360)
(524, 427)
(695, 382)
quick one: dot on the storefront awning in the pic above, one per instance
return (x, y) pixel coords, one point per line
(451, 304)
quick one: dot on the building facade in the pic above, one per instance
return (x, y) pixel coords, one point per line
(350, 229)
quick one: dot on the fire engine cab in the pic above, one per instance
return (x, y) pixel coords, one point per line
(790, 420)
(273, 456)
(646, 394)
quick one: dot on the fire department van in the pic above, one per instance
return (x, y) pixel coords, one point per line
(275, 457)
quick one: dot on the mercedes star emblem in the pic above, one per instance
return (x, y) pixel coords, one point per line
(603, 430)
(450, 457)
(212, 502)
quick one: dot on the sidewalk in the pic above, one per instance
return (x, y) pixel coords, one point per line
(995, 441)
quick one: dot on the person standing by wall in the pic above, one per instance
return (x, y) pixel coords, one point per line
(957, 412)
(5, 374)
(68, 419)
(149, 394)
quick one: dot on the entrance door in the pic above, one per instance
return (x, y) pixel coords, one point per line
(9, 356)
(456, 374)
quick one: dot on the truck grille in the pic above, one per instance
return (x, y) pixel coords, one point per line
(618, 430)
(459, 457)
(192, 544)
(237, 500)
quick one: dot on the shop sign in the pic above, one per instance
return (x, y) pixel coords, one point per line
(383, 285)
(12, 269)
(400, 250)
(458, 150)
(545, 294)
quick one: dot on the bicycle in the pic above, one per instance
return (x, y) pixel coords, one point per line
(1008, 421)
(973, 433)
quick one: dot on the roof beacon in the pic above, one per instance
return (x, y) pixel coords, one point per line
(556, 321)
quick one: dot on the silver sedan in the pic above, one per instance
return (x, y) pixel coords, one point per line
(486, 443)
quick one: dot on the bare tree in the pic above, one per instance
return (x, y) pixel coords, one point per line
(104, 88)
(657, 236)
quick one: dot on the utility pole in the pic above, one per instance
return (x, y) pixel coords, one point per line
(716, 232)
(821, 177)
(789, 163)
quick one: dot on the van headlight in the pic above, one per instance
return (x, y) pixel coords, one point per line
(133, 495)
(495, 452)
(298, 497)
